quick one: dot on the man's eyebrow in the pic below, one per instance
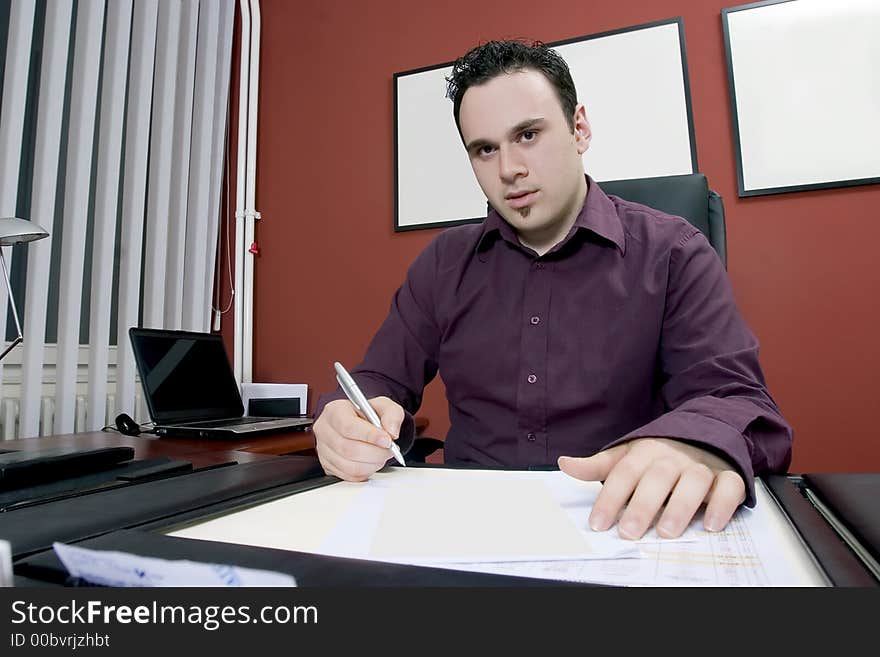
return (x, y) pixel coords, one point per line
(476, 144)
(525, 125)
(519, 127)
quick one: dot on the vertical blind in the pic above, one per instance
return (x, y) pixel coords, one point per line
(112, 130)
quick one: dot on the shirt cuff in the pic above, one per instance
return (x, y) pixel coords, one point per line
(705, 432)
(407, 433)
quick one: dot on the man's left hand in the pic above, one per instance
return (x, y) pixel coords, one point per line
(644, 472)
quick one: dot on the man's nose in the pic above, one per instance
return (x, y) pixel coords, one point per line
(511, 165)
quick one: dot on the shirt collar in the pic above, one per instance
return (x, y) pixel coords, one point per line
(598, 216)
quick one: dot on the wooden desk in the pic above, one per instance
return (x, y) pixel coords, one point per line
(201, 453)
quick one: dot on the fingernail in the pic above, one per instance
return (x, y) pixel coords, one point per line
(627, 529)
(597, 522)
(712, 524)
(394, 430)
(666, 529)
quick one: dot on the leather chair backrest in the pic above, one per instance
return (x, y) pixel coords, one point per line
(687, 196)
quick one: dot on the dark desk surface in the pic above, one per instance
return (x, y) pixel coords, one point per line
(201, 453)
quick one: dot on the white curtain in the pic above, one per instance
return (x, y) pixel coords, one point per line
(112, 138)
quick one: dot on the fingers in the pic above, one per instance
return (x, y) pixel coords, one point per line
(340, 418)
(348, 446)
(619, 485)
(593, 468)
(338, 467)
(652, 473)
(390, 414)
(652, 489)
(692, 488)
(727, 494)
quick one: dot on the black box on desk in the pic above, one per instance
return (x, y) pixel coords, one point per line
(274, 407)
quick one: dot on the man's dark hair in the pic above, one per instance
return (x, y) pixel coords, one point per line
(495, 58)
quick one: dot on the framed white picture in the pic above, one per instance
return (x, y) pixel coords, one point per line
(633, 82)
(805, 93)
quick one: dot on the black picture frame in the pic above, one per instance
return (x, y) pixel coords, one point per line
(772, 156)
(685, 153)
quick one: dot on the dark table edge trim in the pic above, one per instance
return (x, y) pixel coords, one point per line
(840, 566)
(834, 558)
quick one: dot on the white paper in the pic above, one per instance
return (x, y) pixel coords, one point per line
(433, 516)
(108, 568)
(756, 549)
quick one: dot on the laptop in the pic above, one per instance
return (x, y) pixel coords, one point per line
(190, 389)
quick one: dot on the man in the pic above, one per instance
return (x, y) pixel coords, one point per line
(570, 327)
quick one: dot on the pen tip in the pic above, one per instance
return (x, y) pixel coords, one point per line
(395, 451)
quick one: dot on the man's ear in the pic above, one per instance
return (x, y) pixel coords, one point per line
(582, 132)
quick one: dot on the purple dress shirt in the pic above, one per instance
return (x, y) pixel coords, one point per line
(627, 328)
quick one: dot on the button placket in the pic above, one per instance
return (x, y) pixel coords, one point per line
(531, 396)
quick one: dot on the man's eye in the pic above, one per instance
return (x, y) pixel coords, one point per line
(528, 135)
(485, 150)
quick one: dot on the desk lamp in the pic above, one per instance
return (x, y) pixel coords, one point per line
(16, 231)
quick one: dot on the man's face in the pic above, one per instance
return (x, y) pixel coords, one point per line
(526, 158)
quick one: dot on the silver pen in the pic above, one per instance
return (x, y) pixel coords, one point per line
(356, 397)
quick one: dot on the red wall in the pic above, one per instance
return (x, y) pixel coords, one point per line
(800, 263)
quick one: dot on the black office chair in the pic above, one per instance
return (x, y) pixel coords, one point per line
(422, 448)
(687, 196)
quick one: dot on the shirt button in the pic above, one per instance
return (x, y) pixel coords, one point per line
(531, 437)
(535, 319)
(532, 378)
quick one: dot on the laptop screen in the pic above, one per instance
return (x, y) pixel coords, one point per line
(186, 377)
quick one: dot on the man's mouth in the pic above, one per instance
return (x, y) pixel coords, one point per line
(518, 200)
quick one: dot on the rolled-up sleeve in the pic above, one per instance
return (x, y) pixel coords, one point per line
(712, 383)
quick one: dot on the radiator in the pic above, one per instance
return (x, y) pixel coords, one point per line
(9, 411)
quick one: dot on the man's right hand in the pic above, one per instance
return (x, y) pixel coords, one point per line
(348, 446)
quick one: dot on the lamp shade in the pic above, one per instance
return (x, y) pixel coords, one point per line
(15, 231)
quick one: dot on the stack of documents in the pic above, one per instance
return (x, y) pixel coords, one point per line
(517, 523)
